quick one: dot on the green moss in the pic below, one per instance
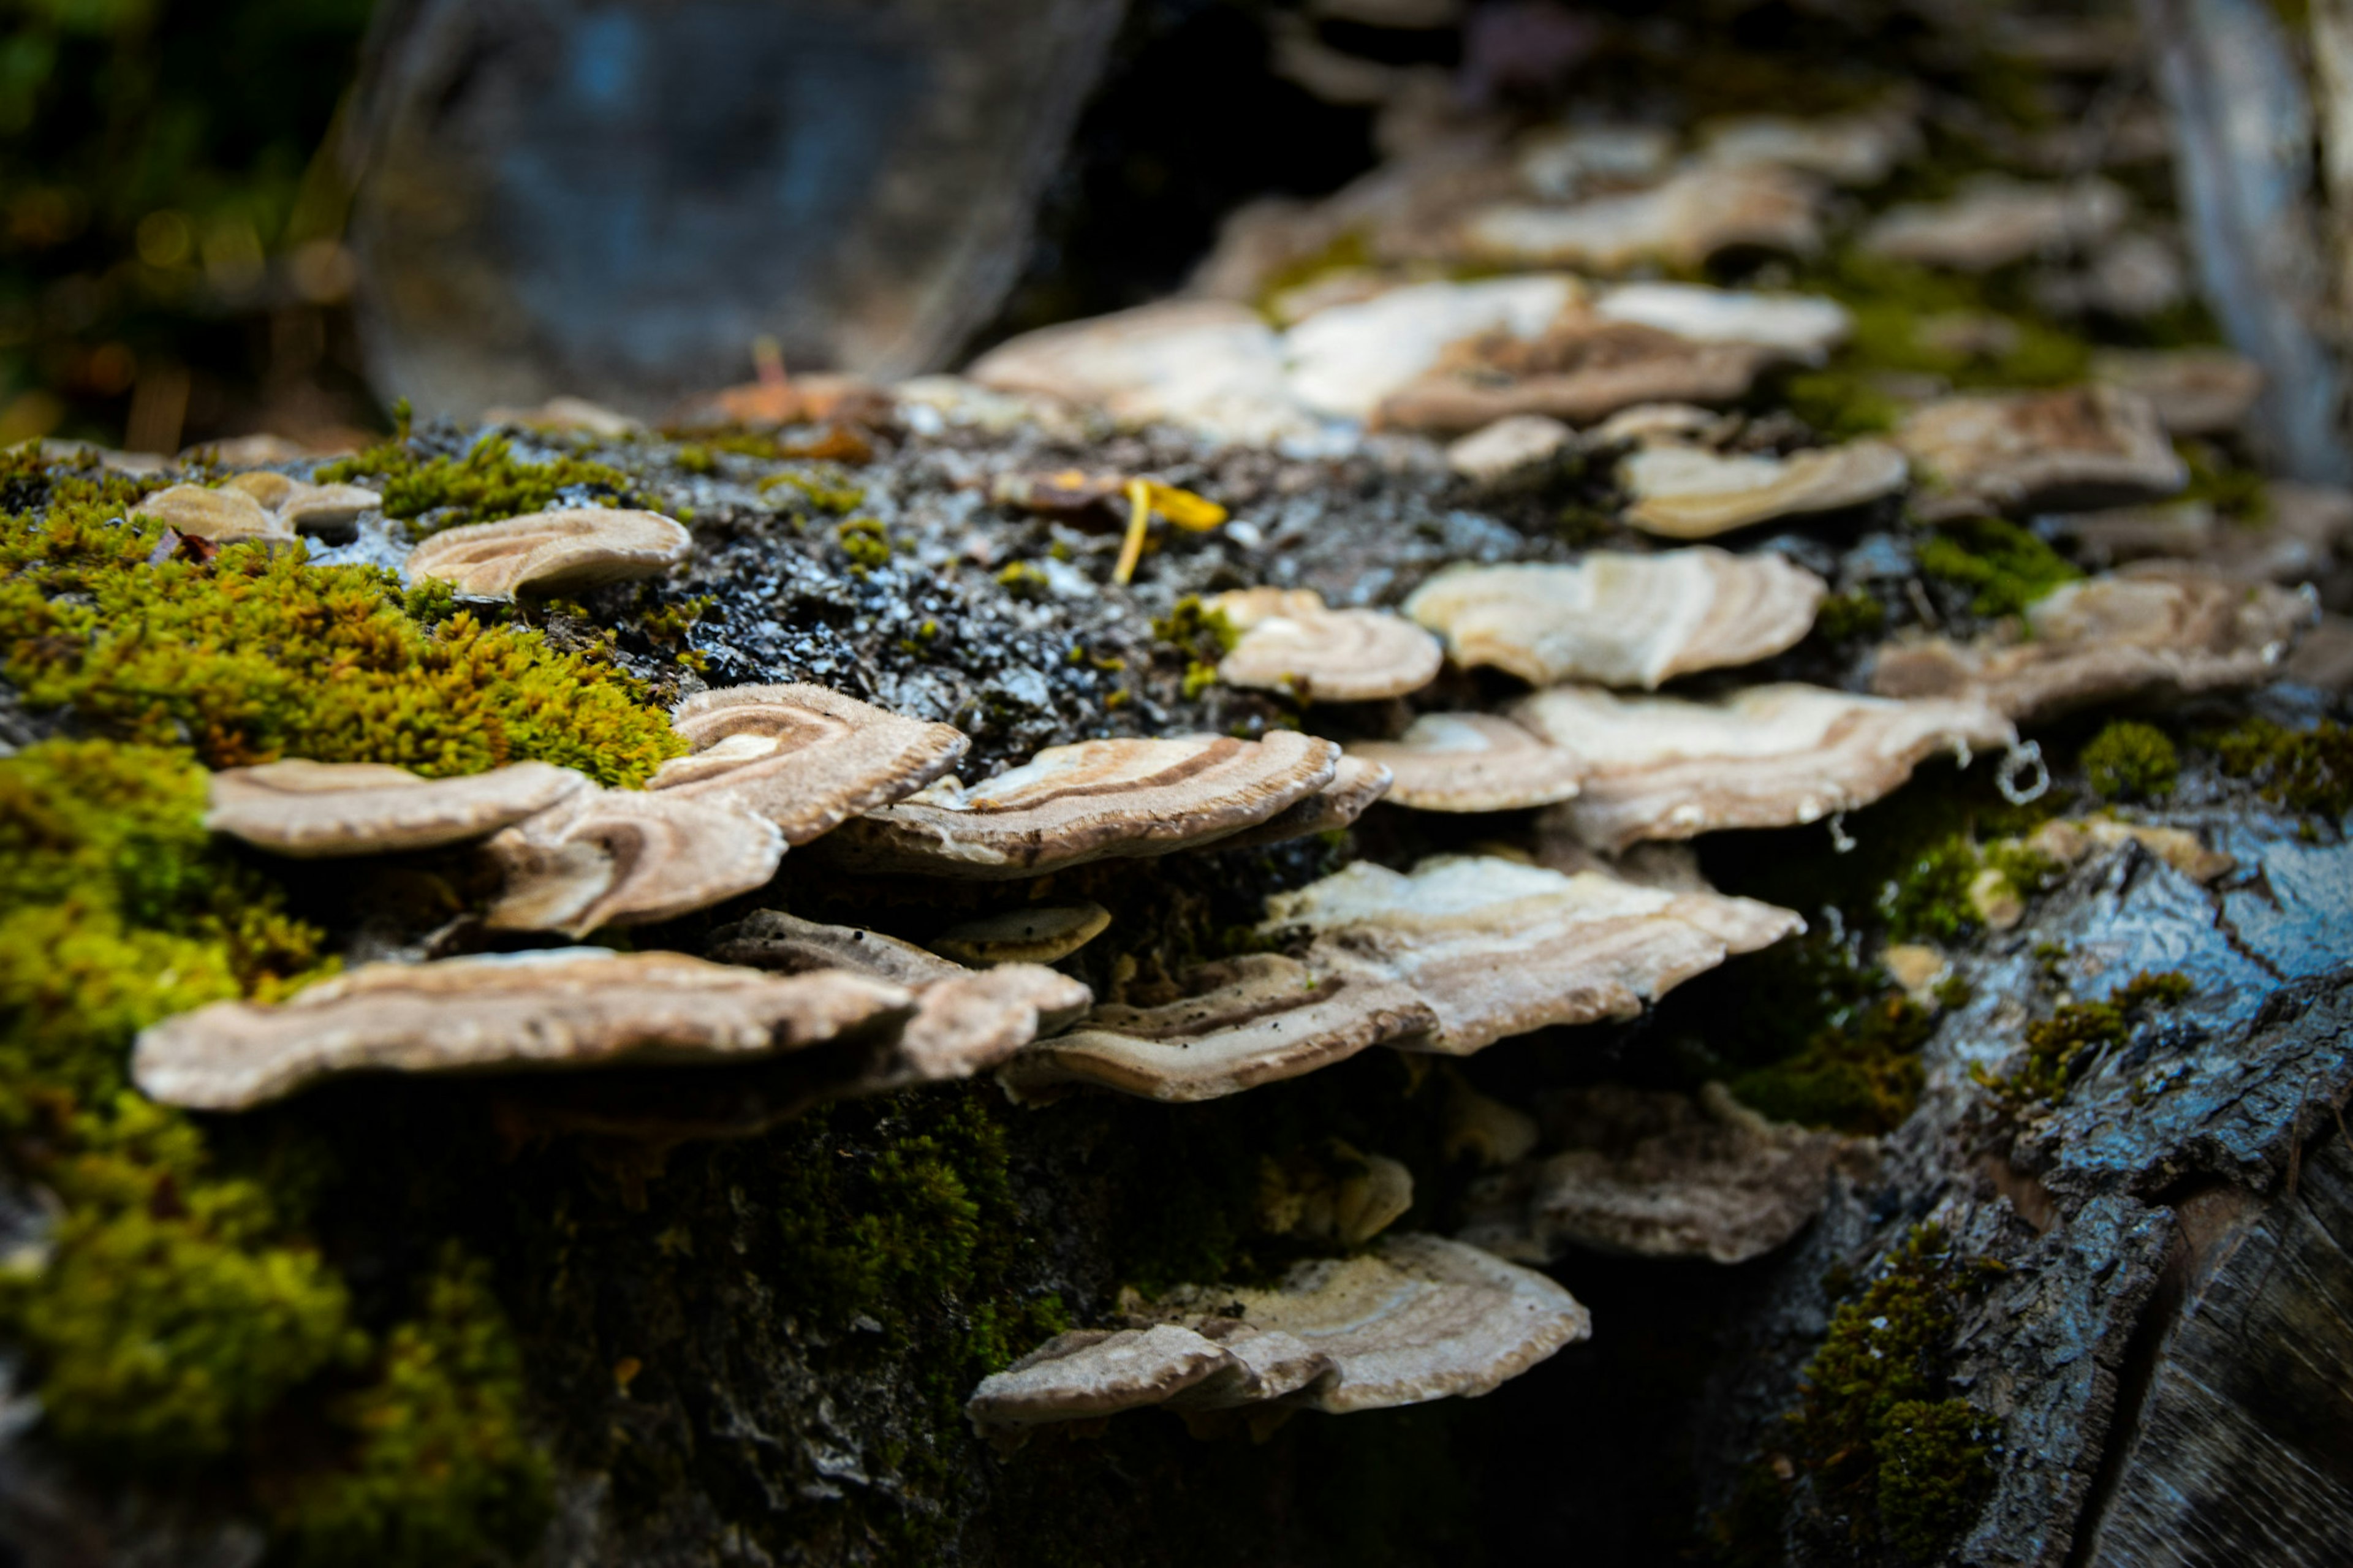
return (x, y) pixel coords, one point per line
(1935, 1462)
(2131, 761)
(438, 1465)
(1023, 580)
(862, 538)
(820, 489)
(1863, 1077)
(2235, 490)
(1930, 900)
(2029, 871)
(2304, 770)
(486, 484)
(1347, 252)
(2054, 1046)
(1843, 617)
(2005, 566)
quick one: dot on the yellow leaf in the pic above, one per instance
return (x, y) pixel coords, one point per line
(1186, 510)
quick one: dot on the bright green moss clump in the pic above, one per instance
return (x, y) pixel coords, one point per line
(486, 484)
(2005, 566)
(2304, 770)
(2056, 1045)
(2131, 761)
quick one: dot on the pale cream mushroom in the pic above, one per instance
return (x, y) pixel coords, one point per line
(222, 517)
(2195, 392)
(552, 552)
(1498, 948)
(1806, 327)
(567, 1007)
(1292, 642)
(1472, 762)
(1626, 620)
(1582, 368)
(2157, 630)
(309, 810)
(806, 758)
(2086, 446)
(1344, 361)
(1662, 1175)
(1771, 756)
(332, 511)
(1688, 492)
(627, 858)
(1091, 801)
(1356, 785)
(1996, 221)
(1683, 221)
(1852, 149)
(1243, 1022)
(1515, 445)
(1040, 933)
(1090, 1373)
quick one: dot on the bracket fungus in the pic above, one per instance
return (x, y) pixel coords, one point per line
(1806, 327)
(1472, 762)
(2195, 392)
(563, 1007)
(1292, 642)
(1626, 620)
(803, 757)
(1498, 948)
(1243, 1022)
(1581, 368)
(1038, 934)
(1771, 756)
(552, 552)
(1688, 492)
(1994, 222)
(1515, 445)
(771, 939)
(312, 810)
(627, 858)
(1091, 801)
(2083, 447)
(1355, 784)
(1089, 1373)
(1683, 222)
(222, 517)
(2159, 629)
(1662, 1175)
(1334, 1194)
(332, 511)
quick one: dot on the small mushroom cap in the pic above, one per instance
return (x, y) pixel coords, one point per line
(306, 508)
(1514, 444)
(806, 758)
(311, 810)
(1292, 642)
(1098, 799)
(1584, 369)
(1626, 620)
(225, 516)
(1040, 933)
(627, 857)
(970, 1023)
(1498, 948)
(1685, 493)
(552, 552)
(771, 939)
(1472, 762)
(1355, 784)
(1663, 1176)
(2083, 446)
(1803, 325)
(1245, 1021)
(566, 1007)
(1092, 1372)
(1417, 1318)
(1771, 756)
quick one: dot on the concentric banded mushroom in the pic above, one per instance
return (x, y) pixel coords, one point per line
(1583, 368)
(806, 758)
(308, 809)
(1685, 492)
(1805, 326)
(1626, 620)
(1662, 1175)
(1245, 1021)
(1290, 642)
(970, 1023)
(1771, 756)
(2194, 392)
(771, 939)
(1472, 762)
(627, 857)
(568, 1007)
(1098, 799)
(2086, 446)
(1498, 948)
(1040, 933)
(2159, 629)
(1092, 1372)
(1355, 784)
(552, 552)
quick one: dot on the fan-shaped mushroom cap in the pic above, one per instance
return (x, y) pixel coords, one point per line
(806, 758)
(1626, 620)
(331, 510)
(969, 1023)
(1355, 784)
(1345, 359)
(1686, 492)
(1684, 221)
(627, 858)
(1095, 800)
(552, 552)
(310, 810)
(1206, 364)
(1091, 1373)
(569, 1007)
(2195, 392)
(1662, 1175)
(1582, 369)
(1472, 762)
(2084, 447)
(1498, 948)
(1516, 444)
(1244, 1022)
(1040, 933)
(1772, 756)
(2157, 630)
(1996, 221)
(1414, 1318)
(771, 939)
(1290, 641)
(1802, 325)
(225, 516)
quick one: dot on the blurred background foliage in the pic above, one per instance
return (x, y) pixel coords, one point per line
(170, 220)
